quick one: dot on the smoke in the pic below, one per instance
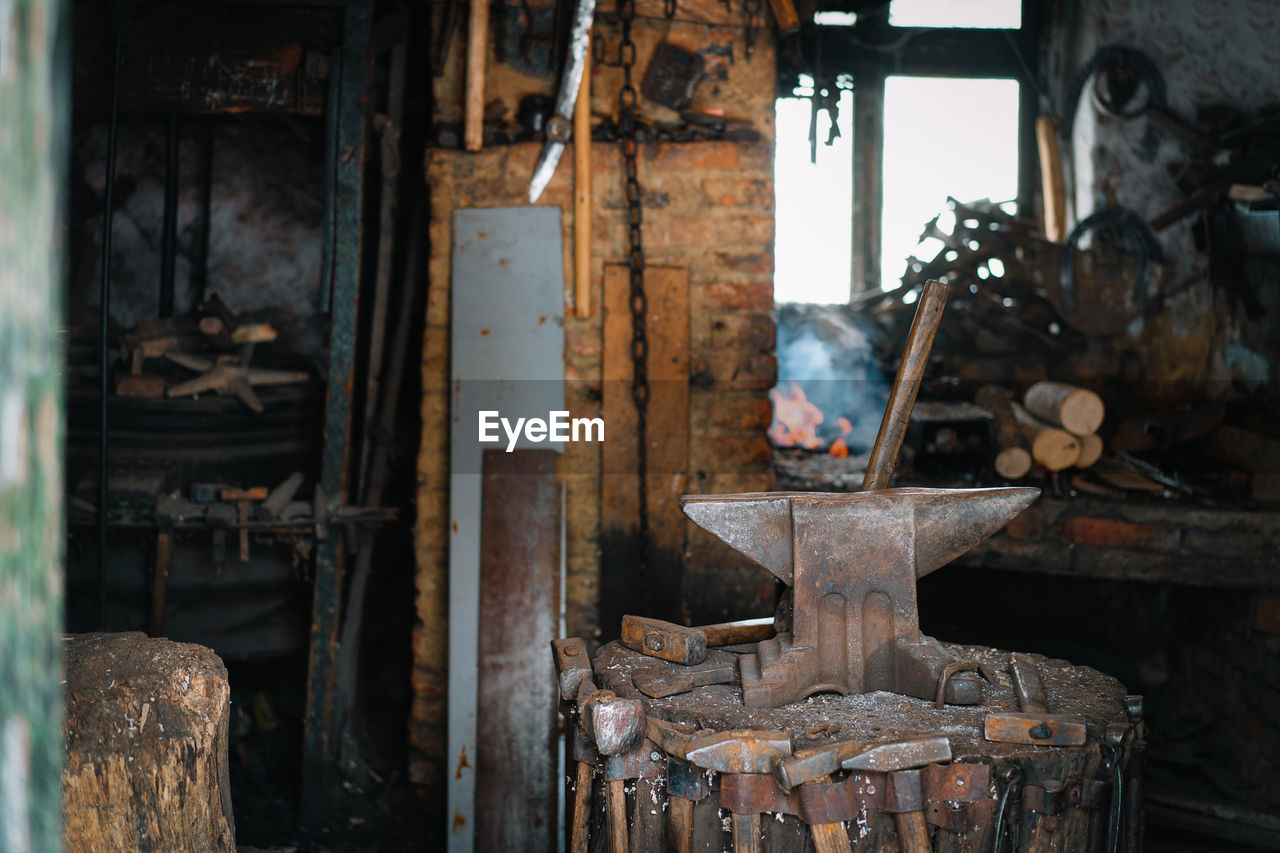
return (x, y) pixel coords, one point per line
(829, 351)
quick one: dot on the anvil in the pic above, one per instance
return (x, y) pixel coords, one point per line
(852, 560)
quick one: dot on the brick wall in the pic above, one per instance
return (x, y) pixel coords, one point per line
(709, 209)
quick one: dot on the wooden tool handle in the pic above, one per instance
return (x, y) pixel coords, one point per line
(582, 198)
(897, 413)
(784, 12)
(581, 809)
(1051, 182)
(616, 805)
(477, 48)
(913, 832)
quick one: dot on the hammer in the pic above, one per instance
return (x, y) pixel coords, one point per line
(1035, 725)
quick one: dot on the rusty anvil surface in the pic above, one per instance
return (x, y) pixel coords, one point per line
(852, 560)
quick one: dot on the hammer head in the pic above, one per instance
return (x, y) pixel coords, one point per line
(941, 523)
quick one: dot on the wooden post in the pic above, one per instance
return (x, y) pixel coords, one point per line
(477, 48)
(33, 123)
(582, 198)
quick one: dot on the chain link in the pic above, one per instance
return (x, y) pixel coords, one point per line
(635, 261)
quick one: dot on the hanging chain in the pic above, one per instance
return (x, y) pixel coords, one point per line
(635, 261)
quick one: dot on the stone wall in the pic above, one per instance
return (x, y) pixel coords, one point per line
(708, 208)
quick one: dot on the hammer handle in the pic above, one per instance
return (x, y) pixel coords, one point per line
(581, 809)
(897, 414)
(913, 833)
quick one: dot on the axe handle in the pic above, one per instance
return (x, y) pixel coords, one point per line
(582, 198)
(477, 50)
(897, 414)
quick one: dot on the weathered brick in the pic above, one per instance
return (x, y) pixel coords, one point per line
(1109, 533)
(757, 295)
(753, 230)
(1228, 543)
(688, 156)
(735, 451)
(584, 343)
(743, 369)
(733, 330)
(744, 261)
(737, 413)
(733, 191)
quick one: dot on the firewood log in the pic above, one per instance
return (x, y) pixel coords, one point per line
(1013, 460)
(1051, 447)
(1077, 410)
(1090, 450)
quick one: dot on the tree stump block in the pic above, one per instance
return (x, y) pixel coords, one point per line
(146, 740)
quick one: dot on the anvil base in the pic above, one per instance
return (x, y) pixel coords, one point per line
(779, 673)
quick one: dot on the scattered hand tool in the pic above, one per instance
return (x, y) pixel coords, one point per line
(658, 681)
(1035, 725)
(665, 640)
(573, 666)
(243, 498)
(559, 126)
(227, 376)
(852, 561)
(741, 631)
(822, 761)
(738, 750)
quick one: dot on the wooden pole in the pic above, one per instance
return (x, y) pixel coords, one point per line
(477, 48)
(582, 198)
(897, 413)
(1051, 182)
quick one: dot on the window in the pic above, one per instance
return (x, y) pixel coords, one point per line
(943, 104)
(971, 14)
(939, 142)
(813, 201)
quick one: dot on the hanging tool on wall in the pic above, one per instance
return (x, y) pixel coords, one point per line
(560, 126)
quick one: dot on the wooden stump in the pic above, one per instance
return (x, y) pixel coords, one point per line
(146, 735)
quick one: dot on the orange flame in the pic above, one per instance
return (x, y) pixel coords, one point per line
(795, 419)
(846, 426)
(839, 448)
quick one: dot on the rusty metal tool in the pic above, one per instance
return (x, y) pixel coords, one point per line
(243, 499)
(886, 757)
(852, 561)
(573, 666)
(741, 631)
(1035, 725)
(664, 640)
(658, 682)
(738, 750)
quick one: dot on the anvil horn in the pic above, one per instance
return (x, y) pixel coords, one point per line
(944, 522)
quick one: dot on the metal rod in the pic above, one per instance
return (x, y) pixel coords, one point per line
(169, 241)
(104, 296)
(332, 107)
(200, 266)
(897, 412)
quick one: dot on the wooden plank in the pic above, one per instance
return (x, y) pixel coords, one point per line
(655, 590)
(516, 691)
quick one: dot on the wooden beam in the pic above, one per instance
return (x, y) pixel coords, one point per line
(656, 589)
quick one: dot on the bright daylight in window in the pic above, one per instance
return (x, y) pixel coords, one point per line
(814, 204)
(942, 137)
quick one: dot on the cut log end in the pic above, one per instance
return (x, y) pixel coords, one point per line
(1013, 463)
(1090, 450)
(1055, 448)
(1077, 410)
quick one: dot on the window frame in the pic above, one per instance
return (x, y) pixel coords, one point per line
(873, 50)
